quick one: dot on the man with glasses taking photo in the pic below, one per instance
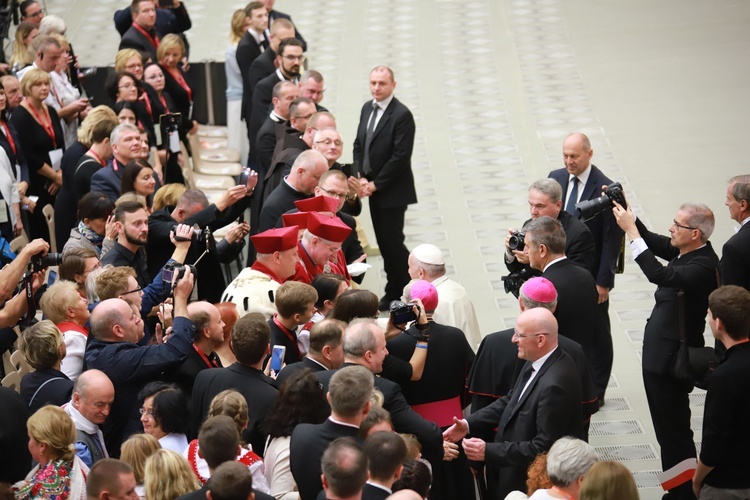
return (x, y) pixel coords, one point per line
(684, 285)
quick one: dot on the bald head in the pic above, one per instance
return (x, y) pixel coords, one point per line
(536, 333)
(306, 171)
(577, 153)
(93, 395)
(114, 320)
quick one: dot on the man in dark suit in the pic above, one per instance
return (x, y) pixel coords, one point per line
(383, 148)
(209, 334)
(174, 19)
(349, 393)
(251, 45)
(326, 350)
(683, 289)
(344, 467)
(298, 185)
(275, 15)
(126, 146)
(735, 254)
(576, 291)
(386, 453)
(543, 407)
(286, 107)
(545, 198)
(142, 35)
(265, 64)
(364, 344)
(289, 60)
(250, 341)
(580, 180)
(312, 86)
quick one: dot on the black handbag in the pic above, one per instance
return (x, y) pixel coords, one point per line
(693, 365)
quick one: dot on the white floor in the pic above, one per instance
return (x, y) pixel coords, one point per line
(495, 86)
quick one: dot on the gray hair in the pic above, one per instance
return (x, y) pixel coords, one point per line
(548, 232)
(52, 24)
(114, 137)
(360, 337)
(192, 197)
(431, 270)
(278, 89)
(529, 303)
(700, 217)
(311, 73)
(549, 187)
(350, 389)
(91, 294)
(569, 459)
(740, 187)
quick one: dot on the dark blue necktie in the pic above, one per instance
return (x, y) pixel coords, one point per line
(571, 206)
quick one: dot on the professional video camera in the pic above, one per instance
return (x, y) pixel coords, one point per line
(589, 209)
(514, 281)
(173, 272)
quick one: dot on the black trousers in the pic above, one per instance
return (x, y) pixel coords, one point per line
(669, 405)
(389, 231)
(602, 351)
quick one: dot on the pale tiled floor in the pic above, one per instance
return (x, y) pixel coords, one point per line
(661, 89)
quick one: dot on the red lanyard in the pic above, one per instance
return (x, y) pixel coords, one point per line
(177, 75)
(115, 166)
(97, 158)
(147, 103)
(10, 137)
(164, 103)
(288, 334)
(154, 40)
(209, 363)
(46, 124)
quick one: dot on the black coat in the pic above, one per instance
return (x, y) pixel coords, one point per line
(185, 374)
(607, 234)
(130, 367)
(390, 154)
(66, 202)
(306, 448)
(735, 259)
(404, 419)
(262, 66)
(259, 391)
(697, 274)
(247, 51)
(548, 410)
(134, 39)
(278, 337)
(180, 97)
(279, 202)
(261, 107)
(48, 386)
(265, 144)
(576, 301)
(293, 368)
(15, 460)
(108, 180)
(370, 492)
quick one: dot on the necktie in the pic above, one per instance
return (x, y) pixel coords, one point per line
(571, 206)
(366, 168)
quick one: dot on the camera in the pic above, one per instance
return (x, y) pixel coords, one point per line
(402, 313)
(170, 121)
(514, 281)
(516, 241)
(199, 235)
(173, 272)
(39, 261)
(588, 209)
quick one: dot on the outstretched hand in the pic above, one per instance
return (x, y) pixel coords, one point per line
(457, 431)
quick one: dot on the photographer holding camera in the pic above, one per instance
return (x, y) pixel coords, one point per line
(116, 330)
(11, 274)
(684, 285)
(194, 209)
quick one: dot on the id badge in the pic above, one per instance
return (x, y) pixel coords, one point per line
(3, 211)
(157, 135)
(174, 142)
(55, 157)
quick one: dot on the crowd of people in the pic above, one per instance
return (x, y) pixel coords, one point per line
(155, 378)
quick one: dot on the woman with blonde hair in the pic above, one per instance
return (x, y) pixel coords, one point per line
(134, 452)
(232, 404)
(168, 476)
(236, 128)
(131, 61)
(608, 481)
(60, 473)
(168, 195)
(22, 55)
(44, 348)
(170, 53)
(43, 144)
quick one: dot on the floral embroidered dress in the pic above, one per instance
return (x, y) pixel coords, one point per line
(57, 480)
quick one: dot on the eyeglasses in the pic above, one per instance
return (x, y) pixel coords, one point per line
(305, 117)
(328, 142)
(294, 58)
(35, 14)
(127, 86)
(527, 335)
(139, 289)
(134, 66)
(676, 224)
(333, 194)
(144, 411)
